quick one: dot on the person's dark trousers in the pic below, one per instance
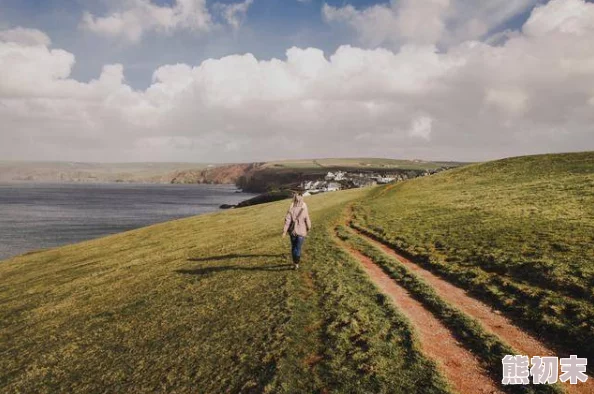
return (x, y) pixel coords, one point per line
(296, 243)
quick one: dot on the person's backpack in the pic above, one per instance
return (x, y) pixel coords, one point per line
(293, 220)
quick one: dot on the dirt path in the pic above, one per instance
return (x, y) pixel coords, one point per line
(491, 320)
(457, 364)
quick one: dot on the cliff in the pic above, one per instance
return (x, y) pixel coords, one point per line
(218, 175)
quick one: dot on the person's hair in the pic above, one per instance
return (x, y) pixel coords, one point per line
(297, 200)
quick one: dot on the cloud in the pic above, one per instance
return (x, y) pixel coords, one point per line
(510, 100)
(234, 14)
(26, 37)
(421, 127)
(570, 16)
(473, 101)
(141, 16)
(440, 22)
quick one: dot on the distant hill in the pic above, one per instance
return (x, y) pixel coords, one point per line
(278, 174)
(253, 177)
(92, 172)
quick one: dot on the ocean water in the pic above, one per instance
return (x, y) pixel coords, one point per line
(37, 216)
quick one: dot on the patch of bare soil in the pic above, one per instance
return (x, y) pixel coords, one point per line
(460, 367)
(491, 319)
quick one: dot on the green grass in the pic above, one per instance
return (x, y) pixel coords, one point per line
(360, 163)
(209, 303)
(517, 232)
(489, 349)
(205, 304)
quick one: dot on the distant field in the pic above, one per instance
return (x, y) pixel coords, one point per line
(91, 172)
(518, 232)
(361, 163)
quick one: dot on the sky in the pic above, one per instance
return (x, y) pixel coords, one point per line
(256, 80)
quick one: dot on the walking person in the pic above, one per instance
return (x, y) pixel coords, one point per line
(297, 224)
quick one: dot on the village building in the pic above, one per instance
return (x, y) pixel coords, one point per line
(337, 176)
(338, 180)
(332, 186)
(363, 182)
(384, 180)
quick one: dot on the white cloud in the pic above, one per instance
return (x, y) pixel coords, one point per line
(140, 16)
(421, 22)
(570, 16)
(421, 127)
(375, 25)
(511, 100)
(22, 36)
(472, 101)
(234, 14)
(29, 71)
(443, 22)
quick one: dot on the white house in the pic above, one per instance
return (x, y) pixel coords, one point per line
(340, 176)
(332, 187)
(385, 179)
(364, 182)
(307, 185)
(318, 185)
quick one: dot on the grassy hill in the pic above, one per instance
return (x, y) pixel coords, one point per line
(211, 303)
(206, 303)
(516, 232)
(360, 163)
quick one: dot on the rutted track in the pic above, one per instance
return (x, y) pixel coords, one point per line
(490, 319)
(459, 366)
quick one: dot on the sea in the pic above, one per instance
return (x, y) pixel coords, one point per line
(37, 216)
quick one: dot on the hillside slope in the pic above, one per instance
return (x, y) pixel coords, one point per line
(211, 303)
(207, 303)
(516, 232)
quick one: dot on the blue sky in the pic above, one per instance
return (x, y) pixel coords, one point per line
(269, 29)
(193, 80)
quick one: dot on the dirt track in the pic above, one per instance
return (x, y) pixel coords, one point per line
(491, 320)
(460, 367)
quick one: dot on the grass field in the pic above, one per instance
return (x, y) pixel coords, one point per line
(517, 232)
(211, 304)
(488, 348)
(360, 163)
(207, 304)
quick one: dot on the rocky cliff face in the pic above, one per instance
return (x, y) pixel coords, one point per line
(217, 175)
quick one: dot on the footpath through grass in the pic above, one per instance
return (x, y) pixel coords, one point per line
(517, 232)
(488, 348)
(205, 304)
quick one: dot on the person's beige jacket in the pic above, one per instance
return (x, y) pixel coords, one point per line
(302, 222)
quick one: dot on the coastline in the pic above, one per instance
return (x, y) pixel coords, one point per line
(47, 215)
